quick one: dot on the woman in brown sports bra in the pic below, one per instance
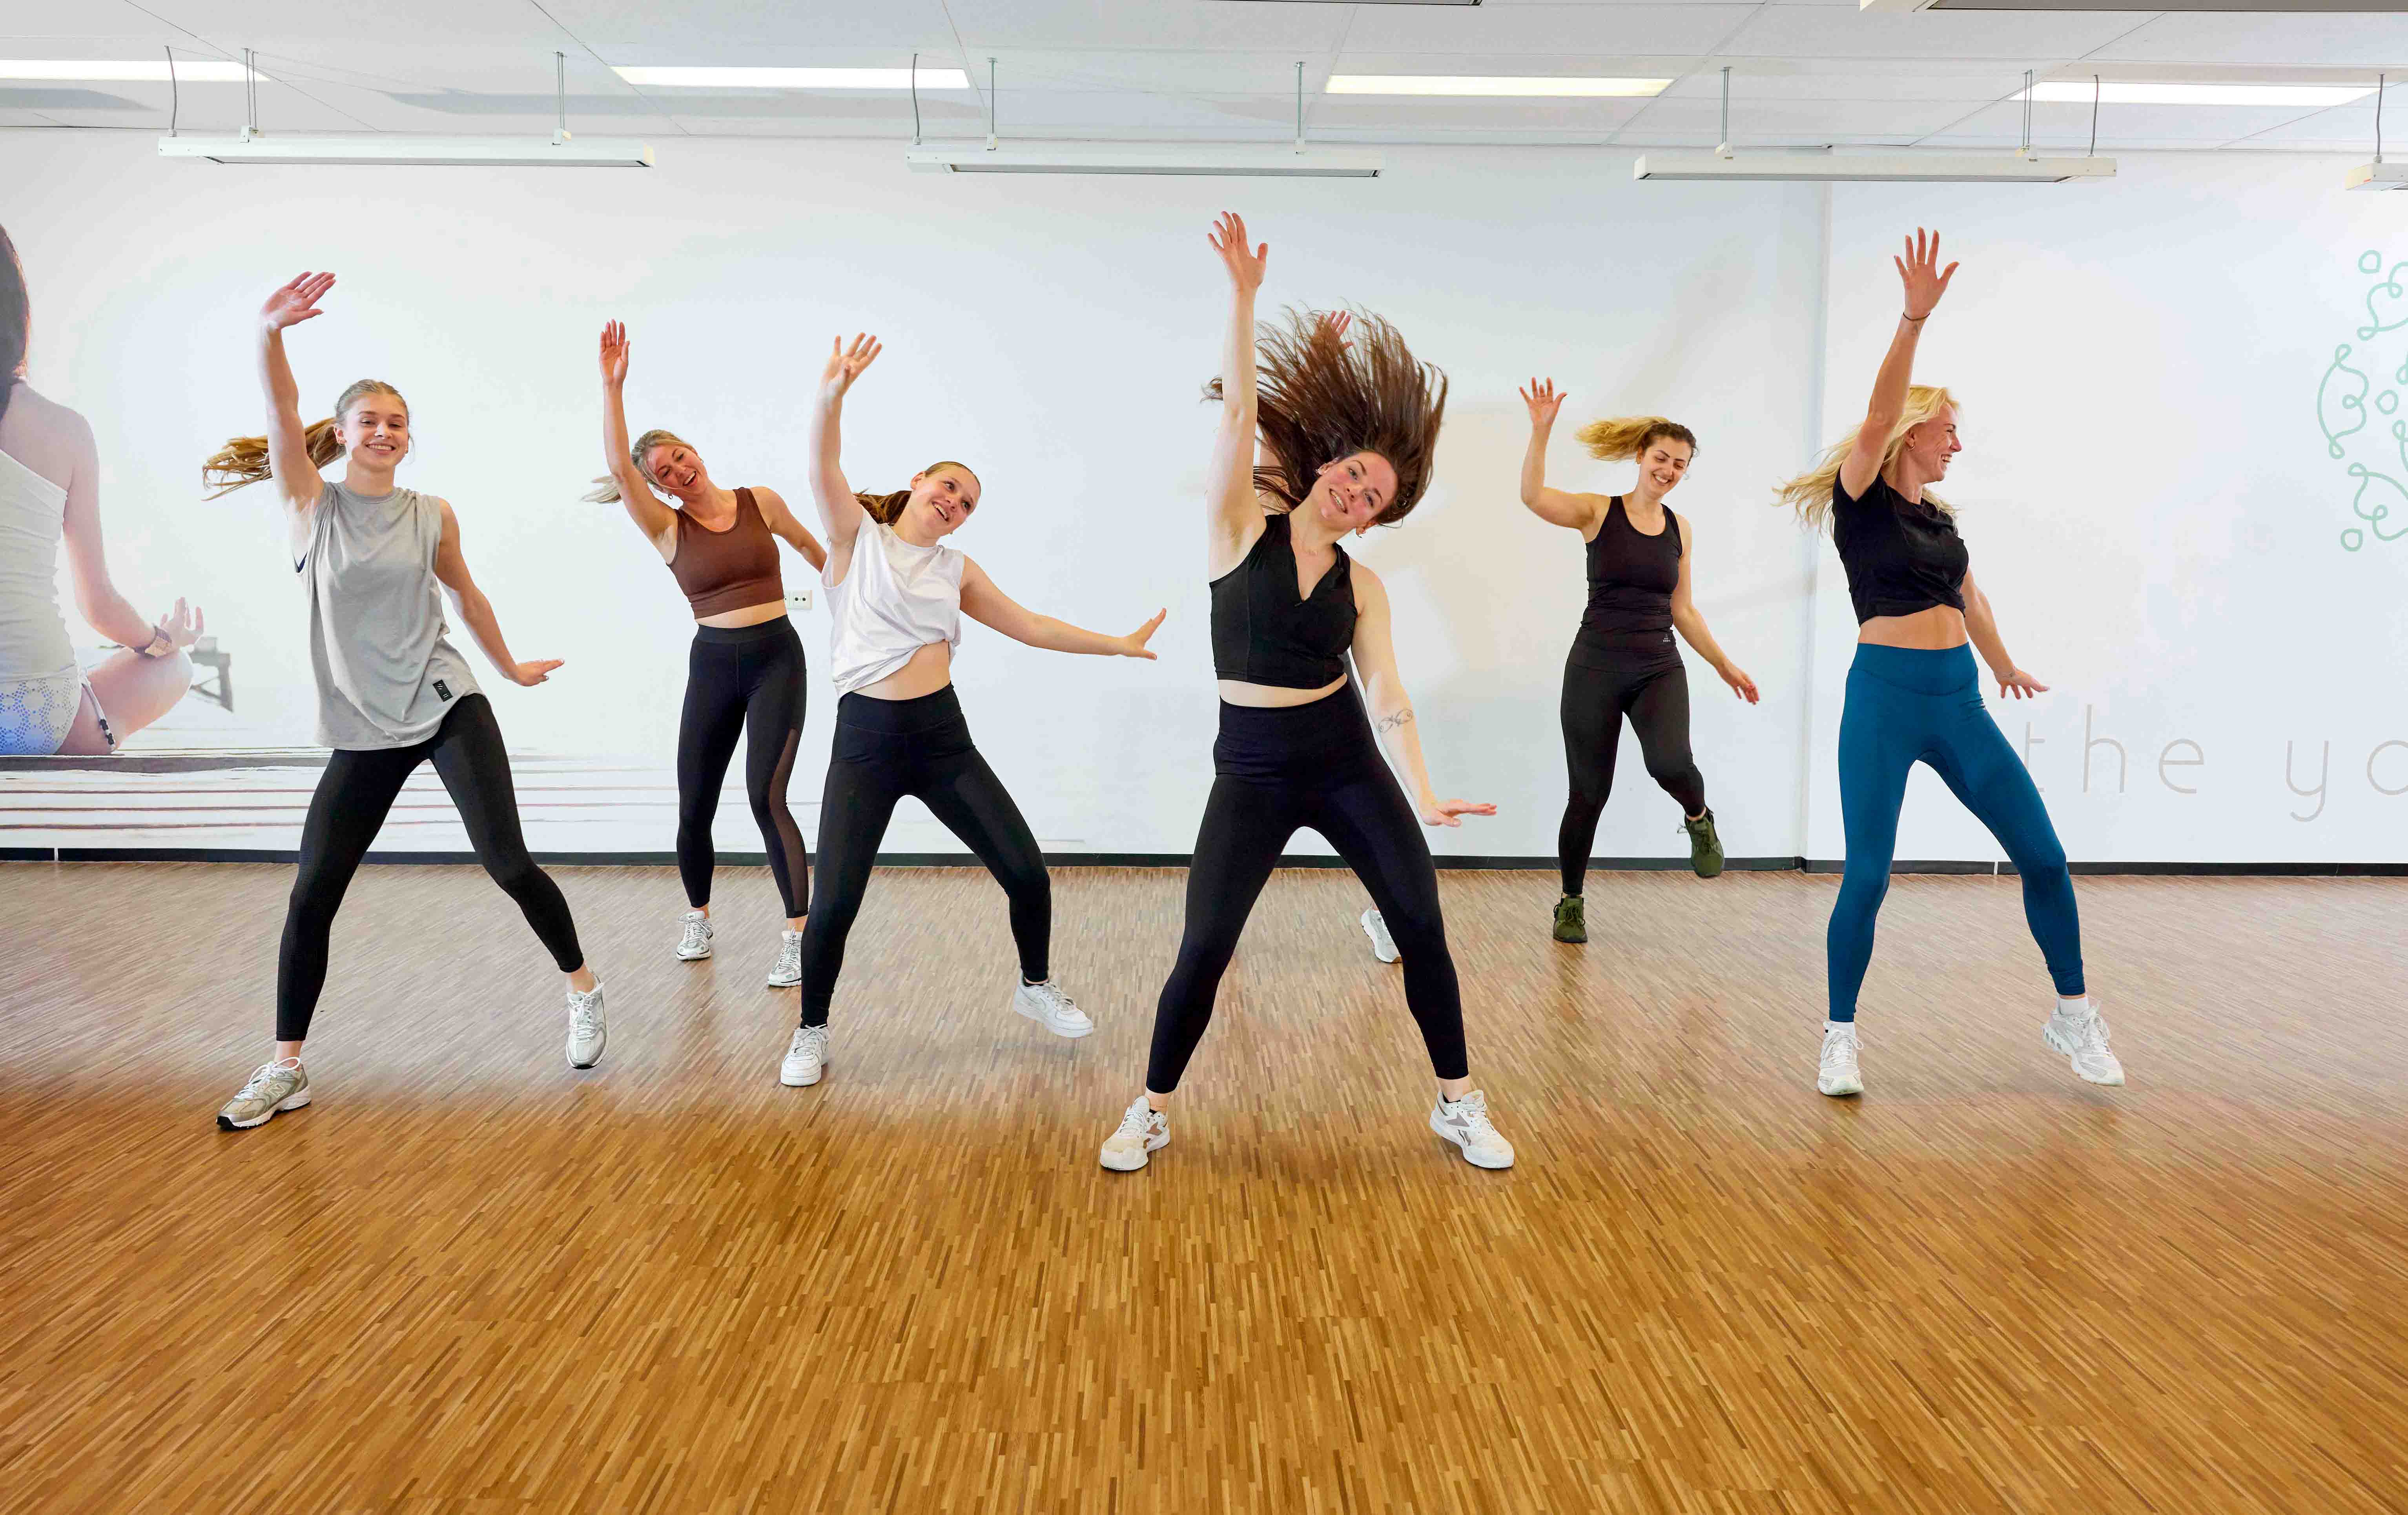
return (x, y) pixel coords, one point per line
(745, 673)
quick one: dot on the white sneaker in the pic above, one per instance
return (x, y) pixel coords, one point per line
(695, 945)
(1046, 1004)
(1464, 1122)
(788, 970)
(806, 1058)
(274, 1088)
(1839, 1074)
(586, 1030)
(1143, 1130)
(2083, 1038)
(1384, 946)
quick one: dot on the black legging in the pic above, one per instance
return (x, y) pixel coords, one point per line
(1277, 771)
(1654, 692)
(885, 749)
(748, 680)
(350, 807)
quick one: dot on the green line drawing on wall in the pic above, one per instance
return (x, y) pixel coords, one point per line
(2346, 400)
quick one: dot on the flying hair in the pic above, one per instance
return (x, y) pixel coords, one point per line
(1317, 400)
(1810, 492)
(244, 460)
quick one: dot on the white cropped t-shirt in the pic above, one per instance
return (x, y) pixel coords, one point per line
(894, 599)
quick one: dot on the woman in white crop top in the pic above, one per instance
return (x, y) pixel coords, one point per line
(896, 594)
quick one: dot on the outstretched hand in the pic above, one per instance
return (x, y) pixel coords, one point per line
(2020, 685)
(1332, 326)
(532, 674)
(1449, 812)
(1133, 645)
(1740, 684)
(846, 364)
(1926, 281)
(182, 626)
(1544, 401)
(295, 301)
(1229, 240)
(614, 354)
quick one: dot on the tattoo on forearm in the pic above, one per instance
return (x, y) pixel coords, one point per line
(1396, 720)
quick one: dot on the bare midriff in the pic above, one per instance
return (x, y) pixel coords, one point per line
(750, 615)
(931, 669)
(1933, 629)
(1275, 697)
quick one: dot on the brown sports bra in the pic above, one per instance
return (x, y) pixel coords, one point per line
(728, 570)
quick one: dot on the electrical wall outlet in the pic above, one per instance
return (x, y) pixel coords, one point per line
(799, 599)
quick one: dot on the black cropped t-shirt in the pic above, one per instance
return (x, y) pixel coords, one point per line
(1901, 557)
(1265, 633)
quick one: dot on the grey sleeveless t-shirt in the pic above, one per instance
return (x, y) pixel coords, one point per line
(386, 674)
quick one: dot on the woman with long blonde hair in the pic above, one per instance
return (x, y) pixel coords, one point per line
(1914, 693)
(745, 671)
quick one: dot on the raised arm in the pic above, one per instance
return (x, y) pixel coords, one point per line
(991, 606)
(1391, 708)
(1924, 282)
(1234, 517)
(783, 525)
(1692, 627)
(1556, 506)
(288, 436)
(1982, 625)
(656, 521)
(839, 512)
(476, 611)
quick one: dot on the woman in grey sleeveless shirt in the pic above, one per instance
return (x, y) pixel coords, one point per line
(392, 692)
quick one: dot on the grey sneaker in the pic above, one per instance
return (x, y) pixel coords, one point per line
(1384, 946)
(806, 1058)
(695, 945)
(586, 1030)
(1046, 1004)
(788, 970)
(275, 1087)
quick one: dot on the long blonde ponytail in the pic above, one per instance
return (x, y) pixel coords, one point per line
(244, 460)
(1810, 492)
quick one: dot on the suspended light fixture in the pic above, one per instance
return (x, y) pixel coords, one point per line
(2378, 175)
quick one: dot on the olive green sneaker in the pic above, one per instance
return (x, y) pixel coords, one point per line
(1705, 848)
(1570, 924)
(274, 1088)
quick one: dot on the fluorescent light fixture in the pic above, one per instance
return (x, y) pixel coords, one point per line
(399, 148)
(2176, 7)
(1201, 160)
(2127, 92)
(1498, 85)
(794, 79)
(1872, 167)
(111, 71)
(2379, 176)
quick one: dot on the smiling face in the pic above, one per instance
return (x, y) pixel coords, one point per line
(1349, 493)
(942, 497)
(375, 430)
(1664, 462)
(1928, 446)
(677, 468)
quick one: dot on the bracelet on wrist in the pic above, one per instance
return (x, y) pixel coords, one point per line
(1917, 319)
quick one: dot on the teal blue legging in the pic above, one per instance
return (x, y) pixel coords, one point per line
(1907, 705)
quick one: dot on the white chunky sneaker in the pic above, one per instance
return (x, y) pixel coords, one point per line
(806, 1057)
(1046, 1004)
(274, 1088)
(1464, 1122)
(788, 970)
(1144, 1130)
(2083, 1038)
(695, 943)
(1384, 946)
(1839, 1074)
(586, 1030)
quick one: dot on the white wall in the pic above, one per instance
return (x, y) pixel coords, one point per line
(2149, 496)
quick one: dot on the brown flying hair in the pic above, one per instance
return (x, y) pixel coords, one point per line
(1317, 400)
(1629, 436)
(244, 460)
(884, 508)
(16, 319)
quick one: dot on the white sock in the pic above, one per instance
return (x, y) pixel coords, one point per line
(1829, 1026)
(2075, 1010)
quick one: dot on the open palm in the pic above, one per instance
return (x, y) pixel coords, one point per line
(614, 354)
(295, 301)
(1544, 401)
(846, 364)
(1229, 240)
(1926, 281)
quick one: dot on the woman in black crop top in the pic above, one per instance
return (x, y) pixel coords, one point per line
(1345, 436)
(1622, 661)
(1914, 694)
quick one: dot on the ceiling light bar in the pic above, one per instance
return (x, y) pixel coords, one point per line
(2378, 175)
(1872, 167)
(2149, 93)
(400, 150)
(793, 79)
(1202, 160)
(2177, 7)
(111, 71)
(1496, 86)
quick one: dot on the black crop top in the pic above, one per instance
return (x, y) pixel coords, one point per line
(1631, 576)
(1264, 634)
(1900, 558)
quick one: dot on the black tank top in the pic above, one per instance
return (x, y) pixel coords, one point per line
(1264, 634)
(1631, 576)
(1900, 558)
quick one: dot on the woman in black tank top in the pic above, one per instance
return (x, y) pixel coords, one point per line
(1623, 660)
(1345, 435)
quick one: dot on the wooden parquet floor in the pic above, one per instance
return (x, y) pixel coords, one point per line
(470, 1278)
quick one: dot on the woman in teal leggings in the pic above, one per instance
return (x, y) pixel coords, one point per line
(1914, 693)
